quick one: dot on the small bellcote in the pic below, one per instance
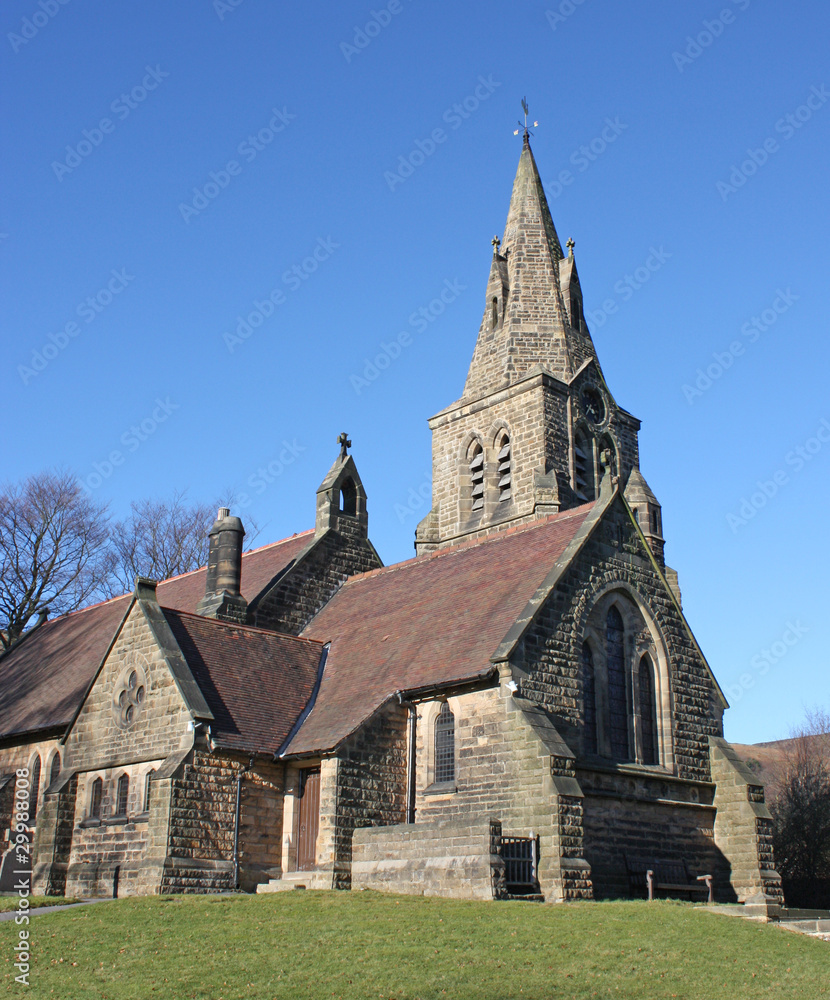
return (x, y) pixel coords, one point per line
(341, 498)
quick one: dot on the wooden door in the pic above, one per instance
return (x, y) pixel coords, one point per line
(308, 819)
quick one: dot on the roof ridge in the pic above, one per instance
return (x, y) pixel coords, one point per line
(171, 579)
(239, 625)
(562, 515)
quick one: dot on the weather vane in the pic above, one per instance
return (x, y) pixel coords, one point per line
(524, 127)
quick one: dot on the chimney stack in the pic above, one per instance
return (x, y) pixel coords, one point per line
(223, 594)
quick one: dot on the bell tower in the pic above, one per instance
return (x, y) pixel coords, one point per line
(536, 425)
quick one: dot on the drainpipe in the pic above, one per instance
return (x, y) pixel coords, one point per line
(239, 777)
(411, 758)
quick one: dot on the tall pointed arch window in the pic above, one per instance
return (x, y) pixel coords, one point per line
(147, 784)
(645, 685)
(96, 798)
(584, 467)
(477, 476)
(617, 699)
(55, 769)
(494, 313)
(445, 745)
(34, 792)
(122, 795)
(505, 469)
(589, 697)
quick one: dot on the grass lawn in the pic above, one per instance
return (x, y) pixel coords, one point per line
(367, 945)
(10, 902)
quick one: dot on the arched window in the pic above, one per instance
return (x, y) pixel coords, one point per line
(505, 471)
(35, 790)
(576, 310)
(147, 781)
(445, 745)
(122, 796)
(494, 313)
(55, 769)
(95, 799)
(589, 695)
(348, 497)
(645, 679)
(584, 467)
(617, 701)
(477, 476)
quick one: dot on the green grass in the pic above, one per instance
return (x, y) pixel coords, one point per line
(10, 902)
(367, 945)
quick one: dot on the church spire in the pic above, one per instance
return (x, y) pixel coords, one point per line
(527, 319)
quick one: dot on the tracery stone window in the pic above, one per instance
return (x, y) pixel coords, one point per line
(645, 685)
(617, 696)
(129, 695)
(625, 695)
(589, 694)
(444, 745)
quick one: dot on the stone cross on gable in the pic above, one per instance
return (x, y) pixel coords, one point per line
(345, 444)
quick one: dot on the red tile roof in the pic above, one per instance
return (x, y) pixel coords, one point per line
(256, 682)
(42, 683)
(434, 620)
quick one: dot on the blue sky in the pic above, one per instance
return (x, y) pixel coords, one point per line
(169, 167)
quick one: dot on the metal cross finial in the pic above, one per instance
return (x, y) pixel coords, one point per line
(345, 444)
(496, 244)
(570, 245)
(523, 127)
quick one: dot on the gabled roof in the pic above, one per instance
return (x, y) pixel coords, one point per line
(435, 620)
(44, 679)
(255, 682)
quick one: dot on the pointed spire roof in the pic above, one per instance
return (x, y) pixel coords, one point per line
(530, 324)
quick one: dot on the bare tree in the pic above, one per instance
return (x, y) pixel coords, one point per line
(163, 538)
(800, 807)
(53, 554)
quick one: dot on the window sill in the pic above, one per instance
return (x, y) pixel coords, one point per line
(440, 788)
(87, 823)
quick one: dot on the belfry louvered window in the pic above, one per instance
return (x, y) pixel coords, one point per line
(477, 477)
(505, 471)
(445, 745)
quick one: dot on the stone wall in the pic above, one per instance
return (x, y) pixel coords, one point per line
(743, 829)
(457, 858)
(370, 789)
(647, 817)
(318, 573)
(511, 766)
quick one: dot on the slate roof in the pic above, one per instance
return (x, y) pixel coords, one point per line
(43, 681)
(434, 620)
(256, 682)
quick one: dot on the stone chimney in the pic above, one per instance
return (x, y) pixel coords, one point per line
(223, 595)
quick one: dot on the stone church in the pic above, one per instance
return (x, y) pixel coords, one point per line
(521, 709)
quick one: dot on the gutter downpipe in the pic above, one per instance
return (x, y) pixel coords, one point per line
(237, 813)
(411, 758)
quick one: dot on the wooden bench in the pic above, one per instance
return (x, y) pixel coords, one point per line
(648, 875)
